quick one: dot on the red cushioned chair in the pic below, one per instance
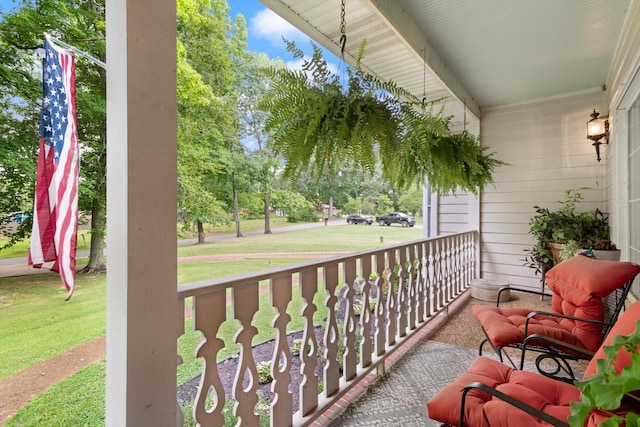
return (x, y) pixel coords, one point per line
(588, 295)
(491, 394)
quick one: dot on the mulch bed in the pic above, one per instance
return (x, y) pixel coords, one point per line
(262, 352)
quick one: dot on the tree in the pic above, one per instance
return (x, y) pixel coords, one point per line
(208, 49)
(384, 204)
(252, 83)
(21, 31)
(410, 201)
(352, 205)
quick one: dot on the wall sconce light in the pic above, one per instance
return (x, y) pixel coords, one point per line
(598, 128)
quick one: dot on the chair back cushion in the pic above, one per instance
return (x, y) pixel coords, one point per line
(578, 286)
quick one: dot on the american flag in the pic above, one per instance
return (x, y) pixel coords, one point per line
(55, 210)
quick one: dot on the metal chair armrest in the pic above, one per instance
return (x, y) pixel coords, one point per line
(557, 344)
(527, 291)
(533, 314)
(510, 400)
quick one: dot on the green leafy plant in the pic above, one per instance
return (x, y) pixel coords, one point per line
(317, 119)
(264, 372)
(584, 230)
(607, 390)
(570, 249)
(296, 347)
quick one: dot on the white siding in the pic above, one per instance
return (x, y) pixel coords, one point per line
(547, 152)
(453, 213)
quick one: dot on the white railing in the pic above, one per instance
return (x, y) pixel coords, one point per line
(416, 279)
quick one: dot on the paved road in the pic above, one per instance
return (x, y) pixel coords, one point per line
(18, 266)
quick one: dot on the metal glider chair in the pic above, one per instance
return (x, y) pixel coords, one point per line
(587, 297)
(492, 394)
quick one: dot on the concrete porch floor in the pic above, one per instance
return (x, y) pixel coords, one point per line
(442, 350)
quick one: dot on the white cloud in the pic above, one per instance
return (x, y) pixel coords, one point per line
(294, 65)
(267, 25)
(297, 65)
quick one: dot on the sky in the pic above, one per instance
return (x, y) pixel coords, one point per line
(266, 30)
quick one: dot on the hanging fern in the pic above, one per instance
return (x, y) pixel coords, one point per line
(314, 116)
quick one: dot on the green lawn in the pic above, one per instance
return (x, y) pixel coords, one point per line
(37, 323)
(340, 238)
(21, 249)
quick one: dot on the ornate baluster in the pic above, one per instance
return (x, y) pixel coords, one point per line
(465, 261)
(412, 304)
(282, 406)
(402, 277)
(366, 345)
(350, 357)
(452, 268)
(179, 333)
(331, 333)
(309, 384)
(450, 273)
(447, 269)
(429, 280)
(469, 255)
(458, 264)
(443, 272)
(472, 254)
(245, 306)
(438, 281)
(209, 313)
(420, 284)
(391, 298)
(381, 304)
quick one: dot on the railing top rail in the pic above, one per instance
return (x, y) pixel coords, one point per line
(206, 286)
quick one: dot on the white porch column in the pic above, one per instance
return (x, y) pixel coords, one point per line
(141, 213)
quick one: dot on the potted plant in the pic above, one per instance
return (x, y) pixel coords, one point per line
(567, 229)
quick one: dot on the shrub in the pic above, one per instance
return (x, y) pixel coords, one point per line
(264, 372)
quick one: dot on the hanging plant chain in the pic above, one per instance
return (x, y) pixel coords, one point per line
(343, 28)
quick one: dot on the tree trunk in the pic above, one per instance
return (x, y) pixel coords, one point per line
(330, 204)
(98, 227)
(236, 210)
(267, 221)
(330, 179)
(201, 235)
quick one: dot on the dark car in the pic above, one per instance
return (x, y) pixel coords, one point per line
(396, 218)
(359, 219)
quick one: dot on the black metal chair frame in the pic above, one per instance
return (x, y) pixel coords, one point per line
(555, 351)
(510, 400)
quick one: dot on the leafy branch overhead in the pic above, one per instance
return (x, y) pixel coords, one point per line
(316, 122)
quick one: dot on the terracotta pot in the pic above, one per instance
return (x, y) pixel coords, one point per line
(555, 249)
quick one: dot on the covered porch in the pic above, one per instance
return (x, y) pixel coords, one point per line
(529, 106)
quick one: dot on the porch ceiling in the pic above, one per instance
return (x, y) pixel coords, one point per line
(479, 53)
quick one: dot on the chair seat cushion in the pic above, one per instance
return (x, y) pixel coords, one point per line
(505, 326)
(481, 410)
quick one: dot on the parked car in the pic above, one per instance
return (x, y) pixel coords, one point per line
(396, 218)
(359, 219)
(9, 223)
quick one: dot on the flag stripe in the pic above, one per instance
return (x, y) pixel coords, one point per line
(55, 222)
